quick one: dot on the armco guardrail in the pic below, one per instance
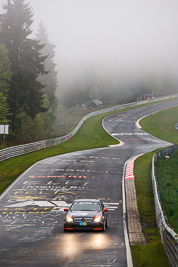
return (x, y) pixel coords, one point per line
(168, 236)
(28, 148)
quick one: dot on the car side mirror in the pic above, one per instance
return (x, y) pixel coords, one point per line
(66, 209)
(105, 209)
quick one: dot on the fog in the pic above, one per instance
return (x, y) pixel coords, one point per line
(129, 34)
(123, 38)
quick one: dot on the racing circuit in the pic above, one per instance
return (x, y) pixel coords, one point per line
(32, 208)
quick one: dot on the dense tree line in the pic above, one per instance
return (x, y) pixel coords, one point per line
(28, 79)
(115, 87)
(26, 99)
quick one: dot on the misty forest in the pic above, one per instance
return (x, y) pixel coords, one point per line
(41, 99)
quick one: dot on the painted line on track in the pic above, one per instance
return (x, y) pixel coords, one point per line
(126, 235)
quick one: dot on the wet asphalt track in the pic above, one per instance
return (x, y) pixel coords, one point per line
(31, 210)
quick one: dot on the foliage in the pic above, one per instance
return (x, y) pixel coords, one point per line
(5, 69)
(49, 80)
(25, 92)
(167, 170)
(34, 129)
(4, 110)
(5, 76)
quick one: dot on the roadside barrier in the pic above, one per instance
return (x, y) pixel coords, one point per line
(15, 151)
(168, 236)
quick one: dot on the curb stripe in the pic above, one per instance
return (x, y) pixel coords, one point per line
(129, 174)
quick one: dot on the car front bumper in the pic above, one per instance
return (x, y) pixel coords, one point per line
(87, 226)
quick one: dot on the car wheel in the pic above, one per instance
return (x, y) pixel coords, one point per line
(104, 226)
(106, 223)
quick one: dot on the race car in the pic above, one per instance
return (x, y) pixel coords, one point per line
(86, 214)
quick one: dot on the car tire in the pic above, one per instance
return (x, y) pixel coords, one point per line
(104, 226)
(106, 223)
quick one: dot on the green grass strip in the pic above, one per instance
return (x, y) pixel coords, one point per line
(162, 124)
(90, 135)
(167, 173)
(150, 254)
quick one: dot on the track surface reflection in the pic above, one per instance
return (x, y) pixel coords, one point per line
(32, 209)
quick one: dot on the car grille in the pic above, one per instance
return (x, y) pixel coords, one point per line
(81, 219)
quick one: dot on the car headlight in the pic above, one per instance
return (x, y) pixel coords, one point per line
(98, 219)
(69, 218)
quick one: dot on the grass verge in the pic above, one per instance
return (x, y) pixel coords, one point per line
(162, 125)
(166, 171)
(10, 169)
(150, 254)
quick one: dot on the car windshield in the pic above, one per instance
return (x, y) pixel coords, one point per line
(88, 206)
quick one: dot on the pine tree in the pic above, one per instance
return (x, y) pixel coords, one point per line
(5, 76)
(25, 92)
(49, 80)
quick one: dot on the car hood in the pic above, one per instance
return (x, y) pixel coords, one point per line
(85, 214)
